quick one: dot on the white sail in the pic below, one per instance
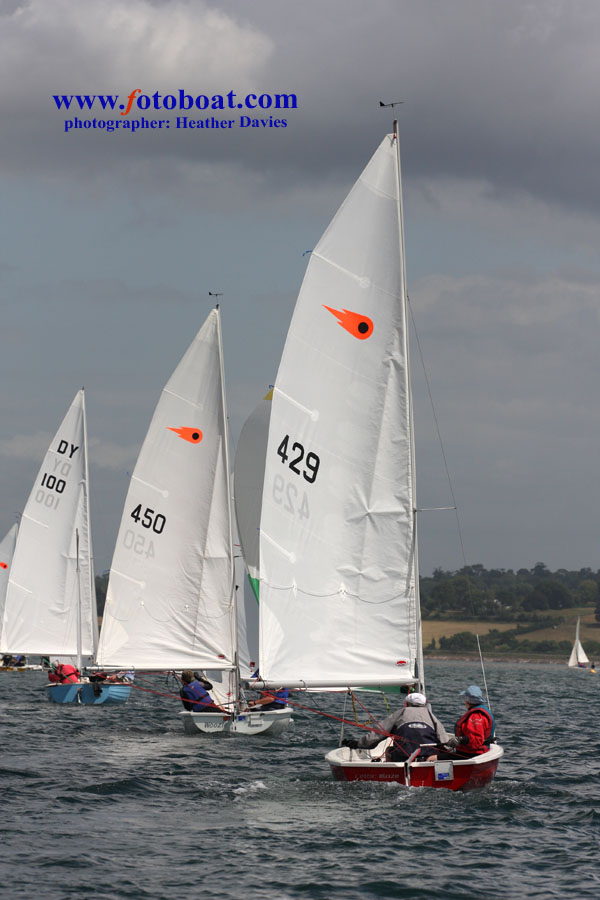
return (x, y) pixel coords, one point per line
(338, 583)
(169, 602)
(247, 618)
(7, 550)
(41, 607)
(578, 655)
(249, 477)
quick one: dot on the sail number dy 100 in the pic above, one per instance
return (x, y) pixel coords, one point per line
(52, 482)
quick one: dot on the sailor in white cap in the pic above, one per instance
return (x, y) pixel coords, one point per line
(412, 727)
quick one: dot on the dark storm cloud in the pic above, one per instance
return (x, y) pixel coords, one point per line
(505, 92)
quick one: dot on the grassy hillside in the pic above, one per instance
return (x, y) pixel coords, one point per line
(562, 631)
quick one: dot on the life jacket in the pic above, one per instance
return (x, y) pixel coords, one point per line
(413, 735)
(67, 673)
(276, 700)
(281, 697)
(197, 699)
(490, 728)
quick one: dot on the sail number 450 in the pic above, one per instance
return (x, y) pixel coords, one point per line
(149, 519)
(310, 463)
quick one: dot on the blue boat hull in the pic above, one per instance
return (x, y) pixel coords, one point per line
(91, 694)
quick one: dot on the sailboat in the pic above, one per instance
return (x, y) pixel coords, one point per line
(339, 589)
(50, 605)
(578, 658)
(171, 600)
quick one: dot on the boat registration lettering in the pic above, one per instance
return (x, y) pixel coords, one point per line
(309, 464)
(286, 494)
(141, 544)
(50, 501)
(149, 519)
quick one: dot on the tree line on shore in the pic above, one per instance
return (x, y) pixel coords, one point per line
(529, 598)
(474, 592)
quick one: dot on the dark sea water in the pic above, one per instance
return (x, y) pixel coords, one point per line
(107, 803)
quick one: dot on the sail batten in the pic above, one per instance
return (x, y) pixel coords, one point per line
(337, 541)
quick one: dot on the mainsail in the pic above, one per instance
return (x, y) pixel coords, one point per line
(578, 655)
(338, 570)
(41, 609)
(170, 601)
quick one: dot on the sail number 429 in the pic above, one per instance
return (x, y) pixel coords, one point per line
(149, 519)
(307, 466)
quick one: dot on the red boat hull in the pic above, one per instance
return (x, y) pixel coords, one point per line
(459, 775)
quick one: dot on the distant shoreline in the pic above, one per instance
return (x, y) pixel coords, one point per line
(527, 660)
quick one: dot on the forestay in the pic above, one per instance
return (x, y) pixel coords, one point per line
(40, 614)
(338, 594)
(170, 595)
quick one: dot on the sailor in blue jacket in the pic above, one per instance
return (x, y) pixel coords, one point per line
(194, 694)
(270, 699)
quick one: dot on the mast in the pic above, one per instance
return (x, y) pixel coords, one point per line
(79, 654)
(92, 583)
(233, 596)
(404, 294)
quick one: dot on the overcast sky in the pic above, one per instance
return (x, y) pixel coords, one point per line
(110, 243)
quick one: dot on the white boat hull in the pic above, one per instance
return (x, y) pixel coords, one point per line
(271, 722)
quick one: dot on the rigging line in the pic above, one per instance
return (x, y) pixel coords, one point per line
(341, 738)
(483, 673)
(320, 712)
(437, 428)
(450, 485)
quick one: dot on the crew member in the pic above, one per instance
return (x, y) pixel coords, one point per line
(475, 729)
(270, 700)
(64, 673)
(412, 727)
(194, 694)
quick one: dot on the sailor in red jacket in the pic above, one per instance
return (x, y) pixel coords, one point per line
(63, 673)
(475, 729)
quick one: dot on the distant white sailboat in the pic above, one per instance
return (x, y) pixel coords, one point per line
(339, 586)
(578, 658)
(50, 605)
(171, 602)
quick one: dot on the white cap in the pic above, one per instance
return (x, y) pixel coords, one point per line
(416, 699)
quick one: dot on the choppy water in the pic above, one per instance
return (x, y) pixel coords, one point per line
(118, 803)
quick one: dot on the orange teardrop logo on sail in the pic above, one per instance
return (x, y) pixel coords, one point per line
(356, 324)
(193, 435)
(3, 565)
